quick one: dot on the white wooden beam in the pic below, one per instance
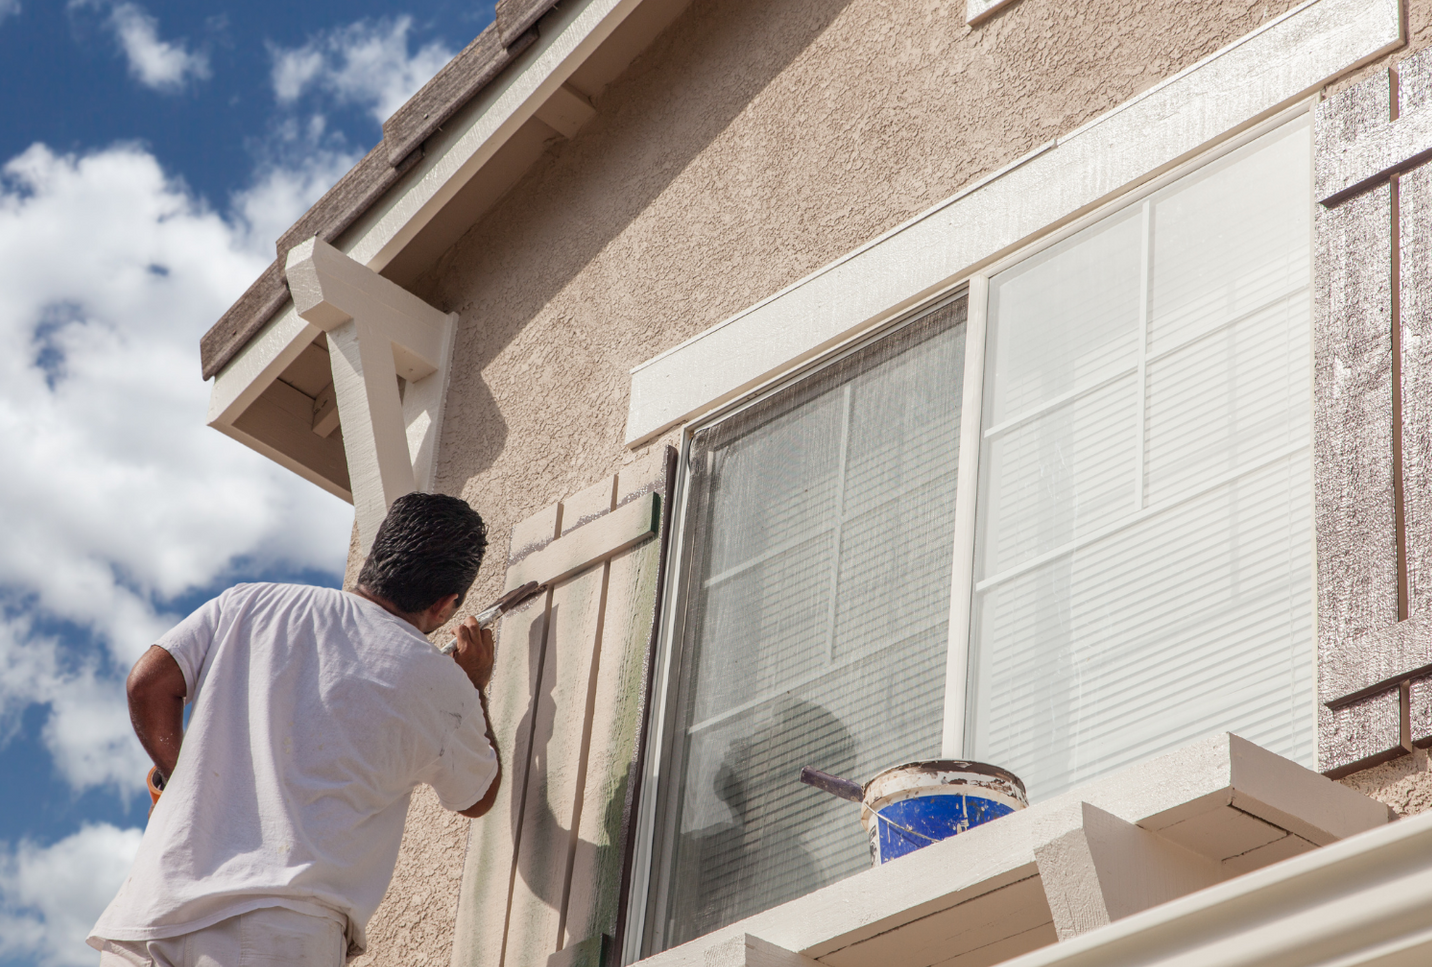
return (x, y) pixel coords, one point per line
(589, 544)
(1106, 869)
(377, 332)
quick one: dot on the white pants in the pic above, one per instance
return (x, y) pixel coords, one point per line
(270, 937)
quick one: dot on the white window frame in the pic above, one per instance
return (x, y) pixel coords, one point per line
(972, 427)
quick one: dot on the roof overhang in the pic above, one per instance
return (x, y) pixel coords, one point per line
(447, 156)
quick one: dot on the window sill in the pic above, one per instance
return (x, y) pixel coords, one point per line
(1194, 818)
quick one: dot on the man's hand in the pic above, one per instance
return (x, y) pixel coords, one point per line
(475, 652)
(156, 706)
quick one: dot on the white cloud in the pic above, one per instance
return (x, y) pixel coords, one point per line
(303, 163)
(159, 64)
(50, 896)
(364, 64)
(9, 8)
(116, 494)
(87, 732)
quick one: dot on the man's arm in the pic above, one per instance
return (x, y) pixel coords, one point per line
(475, 656)
(483, 805)
(156, 690)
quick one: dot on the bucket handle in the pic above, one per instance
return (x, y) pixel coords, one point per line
(906, 829)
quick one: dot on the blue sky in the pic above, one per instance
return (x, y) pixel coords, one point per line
(150, 153)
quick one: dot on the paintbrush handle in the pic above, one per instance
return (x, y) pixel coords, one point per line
(487, 617)
(836, 786)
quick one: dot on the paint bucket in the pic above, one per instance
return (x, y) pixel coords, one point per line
(919, 803)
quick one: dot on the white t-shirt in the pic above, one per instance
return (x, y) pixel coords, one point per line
(315, 715)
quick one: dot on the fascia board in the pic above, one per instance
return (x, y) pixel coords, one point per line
(1232, 89)
(570, 35)
(261, 362)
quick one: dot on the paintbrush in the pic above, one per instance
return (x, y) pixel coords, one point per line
(487, 617)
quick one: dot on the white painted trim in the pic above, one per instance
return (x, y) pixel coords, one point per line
(1245, 82)
(977, 10)
(377, 332)
(452, 157)
(957, 658)
(654, 760)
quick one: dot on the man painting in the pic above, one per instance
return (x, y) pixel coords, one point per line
(314, 715)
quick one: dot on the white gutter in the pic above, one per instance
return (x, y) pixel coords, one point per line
(1365, 900)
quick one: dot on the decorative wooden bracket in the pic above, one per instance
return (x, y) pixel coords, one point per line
(378, 333)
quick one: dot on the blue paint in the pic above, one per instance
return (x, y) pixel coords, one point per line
(929, 819)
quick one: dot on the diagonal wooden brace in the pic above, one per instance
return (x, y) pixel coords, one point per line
(378, 332)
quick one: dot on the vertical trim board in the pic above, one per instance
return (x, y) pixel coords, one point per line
(1357, 581)
(957, 660)
(1416, 326)
(492, 841)
(617, 705)
(559, 724)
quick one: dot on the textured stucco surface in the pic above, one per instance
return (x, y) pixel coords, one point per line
(1404, 784)
(751, 144)
(414, 924)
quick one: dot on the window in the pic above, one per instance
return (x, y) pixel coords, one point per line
(818, 530)
(1143, 560)
(1140, 560)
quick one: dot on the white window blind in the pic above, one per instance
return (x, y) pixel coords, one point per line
(1143, 551)
(815, 592)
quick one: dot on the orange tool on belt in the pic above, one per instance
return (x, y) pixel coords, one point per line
(156, 785)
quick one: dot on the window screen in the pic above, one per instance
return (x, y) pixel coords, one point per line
(1143, 557)
(816, 592)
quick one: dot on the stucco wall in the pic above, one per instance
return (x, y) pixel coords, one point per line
(414, 925)
(751, 144)
(1405, 783)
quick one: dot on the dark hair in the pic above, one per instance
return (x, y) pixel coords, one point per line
(429, 546)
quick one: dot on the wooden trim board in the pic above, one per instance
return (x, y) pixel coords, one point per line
(587, 545)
